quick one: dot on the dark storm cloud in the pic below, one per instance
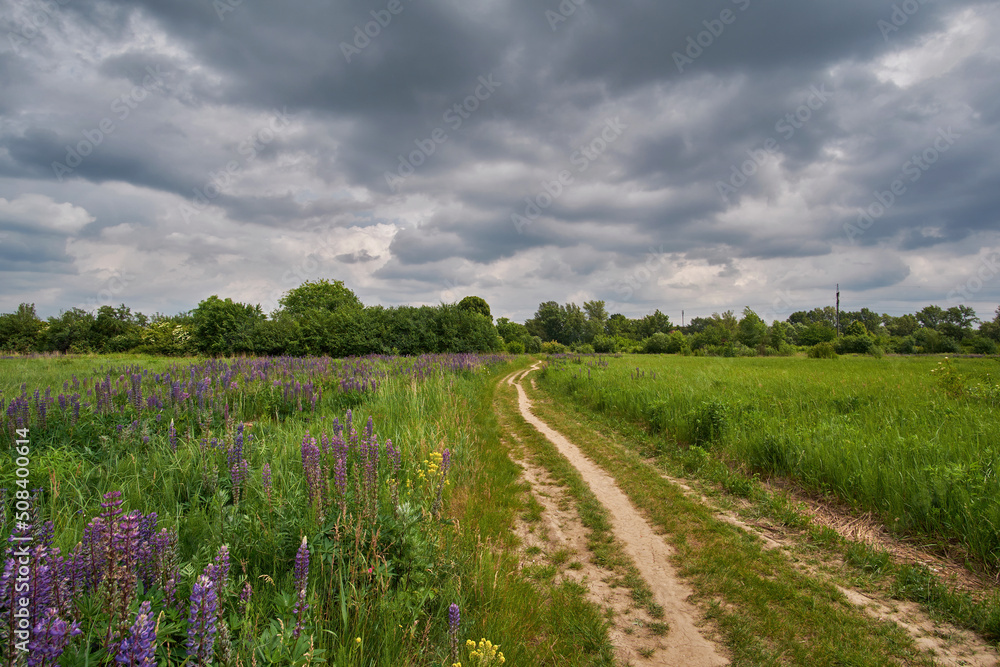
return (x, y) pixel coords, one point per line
(702, 88)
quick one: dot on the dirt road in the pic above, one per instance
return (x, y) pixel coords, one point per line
(650, 553)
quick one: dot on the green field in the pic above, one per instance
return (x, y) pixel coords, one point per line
(146, 468)
(915, 440)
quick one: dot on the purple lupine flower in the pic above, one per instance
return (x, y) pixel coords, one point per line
(245, 596)
(172, 435)
(138, 648)
(221, 569)
(49, 639)
(93, 553)
(239, 473)
(236, 451)
(137, 392)
(445, 461)
(202, 619)
(454, 618)
(340, 478)
(312, 467)
(301, 583)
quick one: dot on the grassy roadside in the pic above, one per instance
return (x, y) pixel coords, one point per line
(768, 611)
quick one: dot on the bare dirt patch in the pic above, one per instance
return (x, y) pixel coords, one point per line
(684, 644)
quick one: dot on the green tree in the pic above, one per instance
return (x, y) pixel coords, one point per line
(597, 319)
(117, 329)
(225, 327)
(619, 326)
(826, 315)
(476, 304)
(857, 328)
(778, 334)
(958, 321)
(21, 331)
(904, 325)
(817, 332)
(931, 317)
(321, 294)
(72, 331)
(655, 322)
(991, 330)
(574, 324)
(548, 321)
(512, 332)
(752, 329)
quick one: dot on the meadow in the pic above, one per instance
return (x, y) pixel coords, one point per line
(268, 511)
(915, 440)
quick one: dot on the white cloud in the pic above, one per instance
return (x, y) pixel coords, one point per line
(40, 212)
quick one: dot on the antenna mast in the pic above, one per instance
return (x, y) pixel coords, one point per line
(838, 310)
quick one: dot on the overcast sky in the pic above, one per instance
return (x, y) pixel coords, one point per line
(702, 156)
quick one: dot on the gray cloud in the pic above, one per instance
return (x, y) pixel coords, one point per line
(239, 209)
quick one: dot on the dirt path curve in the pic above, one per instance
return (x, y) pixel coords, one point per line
(687, 646)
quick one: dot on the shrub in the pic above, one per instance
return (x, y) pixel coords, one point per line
(658, 343)
(822, 351)
(515, 347)
(552, 347)
(732, 349)
(583, 348)
(856, 345)
(678, 343)
(982, 345)
(902, 345)
(605, 344)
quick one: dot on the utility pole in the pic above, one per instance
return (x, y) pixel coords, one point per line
(838, 310)
(682, 318)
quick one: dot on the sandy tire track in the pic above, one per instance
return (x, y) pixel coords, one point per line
(650, 553)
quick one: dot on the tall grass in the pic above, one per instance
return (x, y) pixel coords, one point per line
(920, 448)
(398, 501)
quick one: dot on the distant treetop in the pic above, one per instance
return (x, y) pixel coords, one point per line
(321, 294)
(476, 304)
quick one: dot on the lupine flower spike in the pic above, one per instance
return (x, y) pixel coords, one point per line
(301, 583)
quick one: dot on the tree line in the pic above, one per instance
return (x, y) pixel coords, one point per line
(326, 318)
(590, 329)
(316, 318)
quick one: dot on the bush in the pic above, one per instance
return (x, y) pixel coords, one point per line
(678, 343)
(902, 344)
(124, 342)
(983, 345)
(783, 350)
(552, 347)
(583, 348)
(658, 343)
(822, 351)
(605, 344)
(856, 345)
(515, 347)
